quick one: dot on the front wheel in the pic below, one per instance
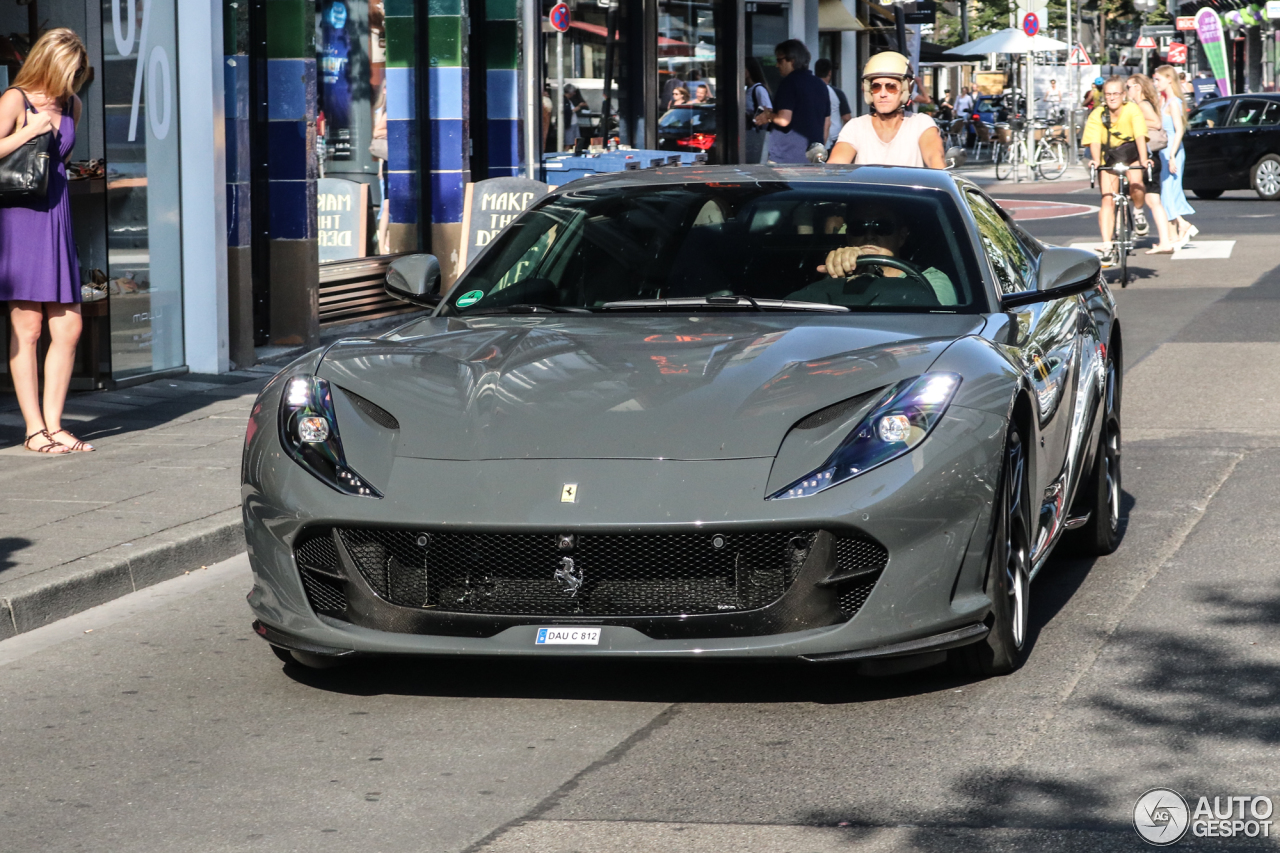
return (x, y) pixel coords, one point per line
(1008, 572)
(1053, 160)
(1265, 178)
(1101, 492)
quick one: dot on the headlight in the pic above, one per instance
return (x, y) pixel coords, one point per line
(309, 431)
(904, 417)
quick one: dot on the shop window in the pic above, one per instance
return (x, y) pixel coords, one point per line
(144, 223)
(366, 132)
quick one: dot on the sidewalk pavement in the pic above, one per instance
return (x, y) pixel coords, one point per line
(1075, 177)
(159, 497)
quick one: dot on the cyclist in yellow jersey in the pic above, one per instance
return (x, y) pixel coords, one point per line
(1116, 132)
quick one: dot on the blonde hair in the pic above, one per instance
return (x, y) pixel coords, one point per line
(1170, 75)
(56, 66)
(1148, 90)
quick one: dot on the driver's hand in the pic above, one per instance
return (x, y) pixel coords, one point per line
(841, 262)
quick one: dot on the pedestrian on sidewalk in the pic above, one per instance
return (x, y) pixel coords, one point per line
(1173, 113)
(841, 112)
(888, 137)
(1116, 133)
(759, 102)
(39, 270)
(801, 108)
(1140, 91)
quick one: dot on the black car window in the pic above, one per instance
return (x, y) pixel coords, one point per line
(1212, 114)
(1272, 113)
(1014, 269)
(764, 239)
(1248, 113)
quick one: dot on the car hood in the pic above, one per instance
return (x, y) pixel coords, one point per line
(669, 386)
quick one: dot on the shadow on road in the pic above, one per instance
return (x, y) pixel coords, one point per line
(10, 545)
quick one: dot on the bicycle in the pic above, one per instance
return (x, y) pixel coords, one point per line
(1048, 159)
(1122, 236)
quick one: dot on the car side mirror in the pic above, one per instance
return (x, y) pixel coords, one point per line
(416, 279)
(955, 157)
(1063, 272)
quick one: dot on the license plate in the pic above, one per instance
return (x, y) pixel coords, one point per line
(568, 637)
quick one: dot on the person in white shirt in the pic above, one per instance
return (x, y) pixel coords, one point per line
(888, 137)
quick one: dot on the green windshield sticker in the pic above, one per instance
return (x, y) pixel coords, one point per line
(469, 298)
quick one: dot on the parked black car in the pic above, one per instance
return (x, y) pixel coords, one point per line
(1234, 144)
(688, 127)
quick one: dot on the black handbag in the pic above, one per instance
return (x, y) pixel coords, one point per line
(24, 174)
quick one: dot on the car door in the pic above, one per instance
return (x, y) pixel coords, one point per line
(1049, 349)
(1206, 162)
(1241, 139)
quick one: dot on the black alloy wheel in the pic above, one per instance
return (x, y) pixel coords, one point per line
(1207, 195)
(1101, 493)
(1008, 573)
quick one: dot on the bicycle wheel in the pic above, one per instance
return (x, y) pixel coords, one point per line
(1052, 160)
(1004, 162)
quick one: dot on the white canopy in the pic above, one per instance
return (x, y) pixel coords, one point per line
(1010, 40)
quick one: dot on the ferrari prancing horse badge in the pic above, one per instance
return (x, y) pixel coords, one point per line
(569, 494)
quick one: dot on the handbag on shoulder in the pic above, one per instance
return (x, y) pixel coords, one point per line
(24, 174)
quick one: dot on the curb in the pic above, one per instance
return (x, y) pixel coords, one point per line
(111, 573)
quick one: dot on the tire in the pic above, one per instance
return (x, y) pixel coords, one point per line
(1124, 236)
(284, 654)
(1008, 573)
(1102, 491)
(1053, 160)
(1207, 195)
(310, 661)
(1004, 163)
(1264, 177)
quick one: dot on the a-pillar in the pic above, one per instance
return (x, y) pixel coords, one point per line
(292, 171)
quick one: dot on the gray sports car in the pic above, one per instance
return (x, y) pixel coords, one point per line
(833, 413)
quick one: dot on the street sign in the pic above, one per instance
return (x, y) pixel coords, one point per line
(1078, 56)
(1177, 53)
(1030, 23)
(1186, 22)
(559, 17)
(1164, 31)
(926, 12)
(1146, 43)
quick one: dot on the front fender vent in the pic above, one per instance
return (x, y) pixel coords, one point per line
(376, 413)
(836, 411)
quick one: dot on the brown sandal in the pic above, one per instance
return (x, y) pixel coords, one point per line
(52, 447)
(78, 447)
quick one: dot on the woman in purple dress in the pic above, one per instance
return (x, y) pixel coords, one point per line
(39, 271)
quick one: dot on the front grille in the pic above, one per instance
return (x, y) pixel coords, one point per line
(866, 557)
(616, 575)
(325, 594)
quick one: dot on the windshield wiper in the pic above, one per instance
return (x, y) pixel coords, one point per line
(693, 302)
(529, 308)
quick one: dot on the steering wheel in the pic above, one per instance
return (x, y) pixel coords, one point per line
(907, 267)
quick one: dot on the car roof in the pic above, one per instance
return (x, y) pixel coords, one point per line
(899, 176)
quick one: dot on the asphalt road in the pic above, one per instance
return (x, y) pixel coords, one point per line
(161, 723)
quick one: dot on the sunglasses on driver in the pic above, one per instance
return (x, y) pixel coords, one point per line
(872, 228)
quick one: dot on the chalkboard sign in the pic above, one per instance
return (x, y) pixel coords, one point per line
(342, 209)
(489, 206)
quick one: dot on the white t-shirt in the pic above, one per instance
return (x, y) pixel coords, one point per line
(902, 150)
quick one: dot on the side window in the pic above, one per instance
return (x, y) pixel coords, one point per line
(1211, 114)
(1248, 113)
(1013, 268)
(1272, 113)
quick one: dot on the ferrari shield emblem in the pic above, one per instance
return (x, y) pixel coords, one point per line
(569, 494)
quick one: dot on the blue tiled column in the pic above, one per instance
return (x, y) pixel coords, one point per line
(292, 168)
(502, 85)
(235, 71)
(449, 125)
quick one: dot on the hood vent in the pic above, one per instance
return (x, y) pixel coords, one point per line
(837, 411)
(376, 413)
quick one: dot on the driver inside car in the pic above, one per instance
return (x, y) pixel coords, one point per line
(875, 232)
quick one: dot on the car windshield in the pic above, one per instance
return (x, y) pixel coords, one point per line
(684, 118)
(765, 242)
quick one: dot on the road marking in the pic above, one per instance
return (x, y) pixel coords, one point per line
(1205, 250)
(1028, 209)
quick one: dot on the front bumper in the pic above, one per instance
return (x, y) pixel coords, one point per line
(929, 509)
